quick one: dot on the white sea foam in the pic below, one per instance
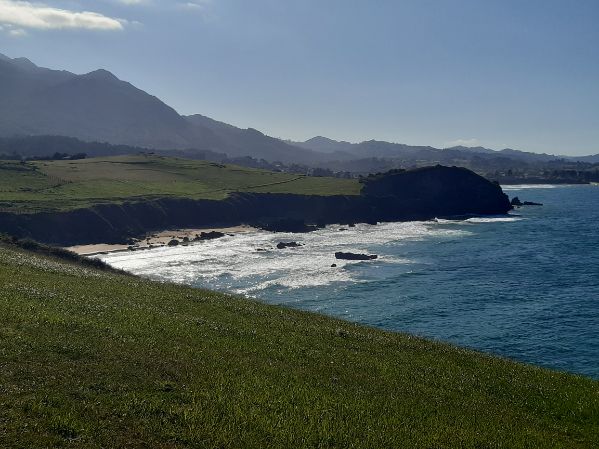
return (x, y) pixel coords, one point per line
(478, 220)
(531, 186)
(250, 262)
(508, 219)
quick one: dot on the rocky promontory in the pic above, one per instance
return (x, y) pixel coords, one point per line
(399, 195)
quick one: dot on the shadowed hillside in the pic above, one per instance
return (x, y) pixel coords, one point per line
(97, 106)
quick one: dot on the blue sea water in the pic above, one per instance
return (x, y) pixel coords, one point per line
(524, 286)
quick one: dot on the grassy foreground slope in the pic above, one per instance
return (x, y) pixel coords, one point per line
(64, 185)
(93, 359)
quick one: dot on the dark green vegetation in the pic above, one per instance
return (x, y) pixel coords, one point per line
(67, 185)
(91, 358)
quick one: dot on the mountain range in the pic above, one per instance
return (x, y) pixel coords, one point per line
(99, 107)
(389, 150)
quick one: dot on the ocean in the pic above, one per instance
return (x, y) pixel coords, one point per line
(524, 286)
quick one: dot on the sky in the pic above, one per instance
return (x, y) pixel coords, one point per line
(496, 73)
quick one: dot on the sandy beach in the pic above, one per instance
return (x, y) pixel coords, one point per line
(155, 240)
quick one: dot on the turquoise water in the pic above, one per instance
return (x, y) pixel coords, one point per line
(524, 286)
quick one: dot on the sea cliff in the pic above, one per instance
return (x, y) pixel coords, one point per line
(420, 194)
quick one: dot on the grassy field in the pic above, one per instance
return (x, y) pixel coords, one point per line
(97, 359)
(64, 185)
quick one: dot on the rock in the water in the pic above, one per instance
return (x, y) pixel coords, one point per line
(334, 265)
(173, 242)
(209, 235)
(516, 202)
(355, 256)
(531, 203)
(283, 245)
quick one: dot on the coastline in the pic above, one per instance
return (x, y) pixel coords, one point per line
(155, 240)
(455, 259)
(177, 334)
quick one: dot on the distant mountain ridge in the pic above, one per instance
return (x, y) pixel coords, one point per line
(389, 150)
(97, 106)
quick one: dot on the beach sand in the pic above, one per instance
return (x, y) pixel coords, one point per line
(154, 240)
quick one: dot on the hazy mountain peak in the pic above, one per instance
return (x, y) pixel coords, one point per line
(324, 145)
(320, 140)
(101, 75)
(98, 106)
(24, 63)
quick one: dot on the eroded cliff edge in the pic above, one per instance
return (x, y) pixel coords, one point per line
(419, 194)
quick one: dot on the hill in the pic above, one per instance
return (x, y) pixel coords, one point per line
(413, 153)
(97, 106)
(100, 200)
(93, 358)
(506, 166)
(66, 185)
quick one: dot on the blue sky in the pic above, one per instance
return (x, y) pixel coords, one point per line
(520, 74)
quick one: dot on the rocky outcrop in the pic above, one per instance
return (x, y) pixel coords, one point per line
(283, 245)
(355, 256)
(516, 202)
(421, 194)
(212, 235)
(432, 192)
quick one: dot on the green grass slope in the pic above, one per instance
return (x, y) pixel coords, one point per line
(64, 185)
(97, 359)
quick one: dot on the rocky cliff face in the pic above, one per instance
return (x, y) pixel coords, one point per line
(396, 196)
(433, 191)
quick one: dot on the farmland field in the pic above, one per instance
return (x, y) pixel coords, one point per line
(65, 185)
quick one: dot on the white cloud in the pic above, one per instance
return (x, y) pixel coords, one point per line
(200, 5)
(23, 14)
(17, 32)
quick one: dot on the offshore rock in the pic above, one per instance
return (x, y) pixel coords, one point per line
(355, 256)
(210, 235)
(283, 245)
